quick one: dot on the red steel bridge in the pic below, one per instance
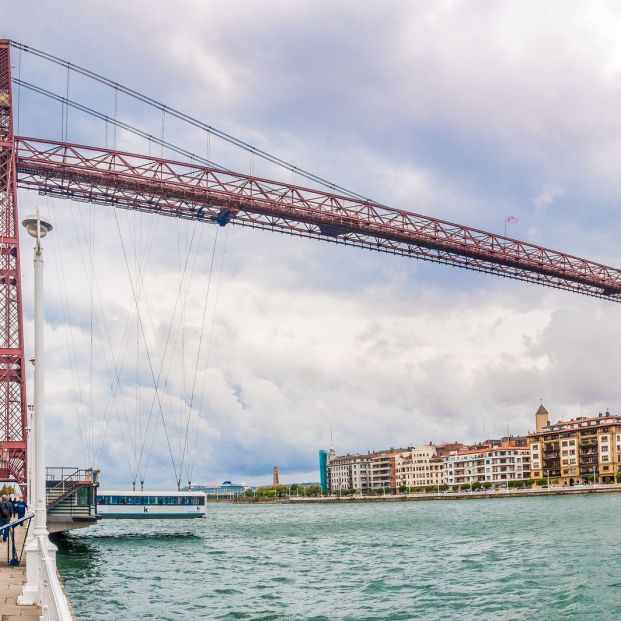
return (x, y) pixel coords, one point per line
(215, 195)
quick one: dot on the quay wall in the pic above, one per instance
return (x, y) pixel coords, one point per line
(419, 497)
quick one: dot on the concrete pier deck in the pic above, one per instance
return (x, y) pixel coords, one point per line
(11, 582)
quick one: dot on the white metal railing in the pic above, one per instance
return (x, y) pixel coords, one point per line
(54, 605)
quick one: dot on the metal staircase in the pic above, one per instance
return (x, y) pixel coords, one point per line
(71, 498)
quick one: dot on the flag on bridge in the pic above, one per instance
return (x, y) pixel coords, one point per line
(510, 220)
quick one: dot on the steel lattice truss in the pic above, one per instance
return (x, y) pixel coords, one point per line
(12, 380)
(183, 190)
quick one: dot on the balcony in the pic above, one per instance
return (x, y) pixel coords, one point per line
(588, 456)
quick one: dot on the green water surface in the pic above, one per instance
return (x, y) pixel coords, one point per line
(502, 559)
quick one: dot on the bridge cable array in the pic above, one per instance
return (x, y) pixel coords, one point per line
(295, 170)
(144, 450)
(138, 440)
(116, 123)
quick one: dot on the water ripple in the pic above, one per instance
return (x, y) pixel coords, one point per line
(549, 558)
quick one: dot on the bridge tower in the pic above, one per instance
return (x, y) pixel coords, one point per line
(13, 413)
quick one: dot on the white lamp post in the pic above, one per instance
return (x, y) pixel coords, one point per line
(29, 452)
(39, 543)
(38, 229)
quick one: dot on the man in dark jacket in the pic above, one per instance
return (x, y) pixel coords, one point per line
(6, 510)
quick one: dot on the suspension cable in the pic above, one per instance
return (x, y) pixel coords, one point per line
(66, 138)
(155, 383)
(188, 119)
(67, 320)
(114, 377)
(116, 123)
(190, 470)
(198, 352)
(143, 464)
(117, 381)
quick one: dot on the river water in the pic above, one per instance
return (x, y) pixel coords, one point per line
(502, 559)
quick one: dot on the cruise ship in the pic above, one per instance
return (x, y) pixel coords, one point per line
(227, 489)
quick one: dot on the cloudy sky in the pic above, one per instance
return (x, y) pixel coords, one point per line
(468, 111)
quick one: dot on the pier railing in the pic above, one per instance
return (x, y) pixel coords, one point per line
(13, 558)
(54, 605)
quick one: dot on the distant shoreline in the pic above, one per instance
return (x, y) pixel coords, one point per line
(419, 497)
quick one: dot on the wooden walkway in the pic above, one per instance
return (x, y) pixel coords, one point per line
(11, 582)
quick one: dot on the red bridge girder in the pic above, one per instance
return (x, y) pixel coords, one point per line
(184, 190)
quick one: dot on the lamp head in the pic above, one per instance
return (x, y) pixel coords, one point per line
(30, 224)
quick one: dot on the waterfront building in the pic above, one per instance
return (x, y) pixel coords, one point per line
(363, 472)
(323, 470)
(572, 452)
(325, 458)
(465, 466)
(577, 450)
(349, 472)
(383, 470)
(428, 465)
(507, 461)
(448, 447)
(419, 466)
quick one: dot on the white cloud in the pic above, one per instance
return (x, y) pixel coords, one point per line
(547, 197)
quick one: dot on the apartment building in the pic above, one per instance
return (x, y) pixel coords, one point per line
(363, 472)
(465, 466)
(349, 472)
(419, 466)
(576, 450)
(507, 462)
(428, 465)
(495, 464)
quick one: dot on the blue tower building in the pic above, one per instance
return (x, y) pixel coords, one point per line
(323, 470)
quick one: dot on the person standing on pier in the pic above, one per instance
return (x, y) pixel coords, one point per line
(6, 510)
(21, 509)
(14, 505)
